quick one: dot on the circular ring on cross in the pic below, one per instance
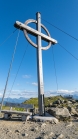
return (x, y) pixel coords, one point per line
(30, 41)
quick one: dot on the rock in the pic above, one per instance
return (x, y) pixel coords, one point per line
(54, 121)
(24, 134)
(61, 136)
(56, 102)
(54, 105)
(77, 108)
(45, 137)
(69, 105)
(61, 101)
(51, 134)
(8, 131)
(39, 138)
(16, 131)
(73, 101)
(70, 125)
(69, 102)
(65, 101)
(34, 128)
(72, 110)
(60, 113)
(43, 133)
(50, 104)
(43, 125)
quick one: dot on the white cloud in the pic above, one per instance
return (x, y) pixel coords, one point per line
(31, 93)
(16, 91)
(0, 95)
(22, 93)
(62, 92)
(36, 84)
(26, 76)
(65, 91)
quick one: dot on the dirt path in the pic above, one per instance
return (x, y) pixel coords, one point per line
(16, 129)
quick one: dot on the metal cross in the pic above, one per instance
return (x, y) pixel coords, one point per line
(39, 47)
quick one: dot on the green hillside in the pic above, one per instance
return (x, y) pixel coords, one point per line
(47, 100)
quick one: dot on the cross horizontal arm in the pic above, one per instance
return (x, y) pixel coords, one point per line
(33, 31)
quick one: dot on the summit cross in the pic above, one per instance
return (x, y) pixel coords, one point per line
(26, 29)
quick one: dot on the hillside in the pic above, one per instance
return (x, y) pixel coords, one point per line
(47, 100)
(54, 101)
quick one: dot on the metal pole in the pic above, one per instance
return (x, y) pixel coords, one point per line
(39, 69)
(9, 71)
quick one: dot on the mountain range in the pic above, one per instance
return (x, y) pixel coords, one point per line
(22, 99)
(14, 100)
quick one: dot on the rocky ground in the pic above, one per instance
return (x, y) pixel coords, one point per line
(66, 128)
(16, 129)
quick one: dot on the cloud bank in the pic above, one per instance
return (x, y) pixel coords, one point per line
(35, 84)
(26, 76)
(30, 94)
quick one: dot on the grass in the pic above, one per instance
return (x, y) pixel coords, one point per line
(47, 100)
(16, 109)
(34, 101)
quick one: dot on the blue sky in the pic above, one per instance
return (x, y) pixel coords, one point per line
(61, 13)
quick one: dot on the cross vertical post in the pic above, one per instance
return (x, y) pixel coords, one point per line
(39, 69)
(26, 29)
